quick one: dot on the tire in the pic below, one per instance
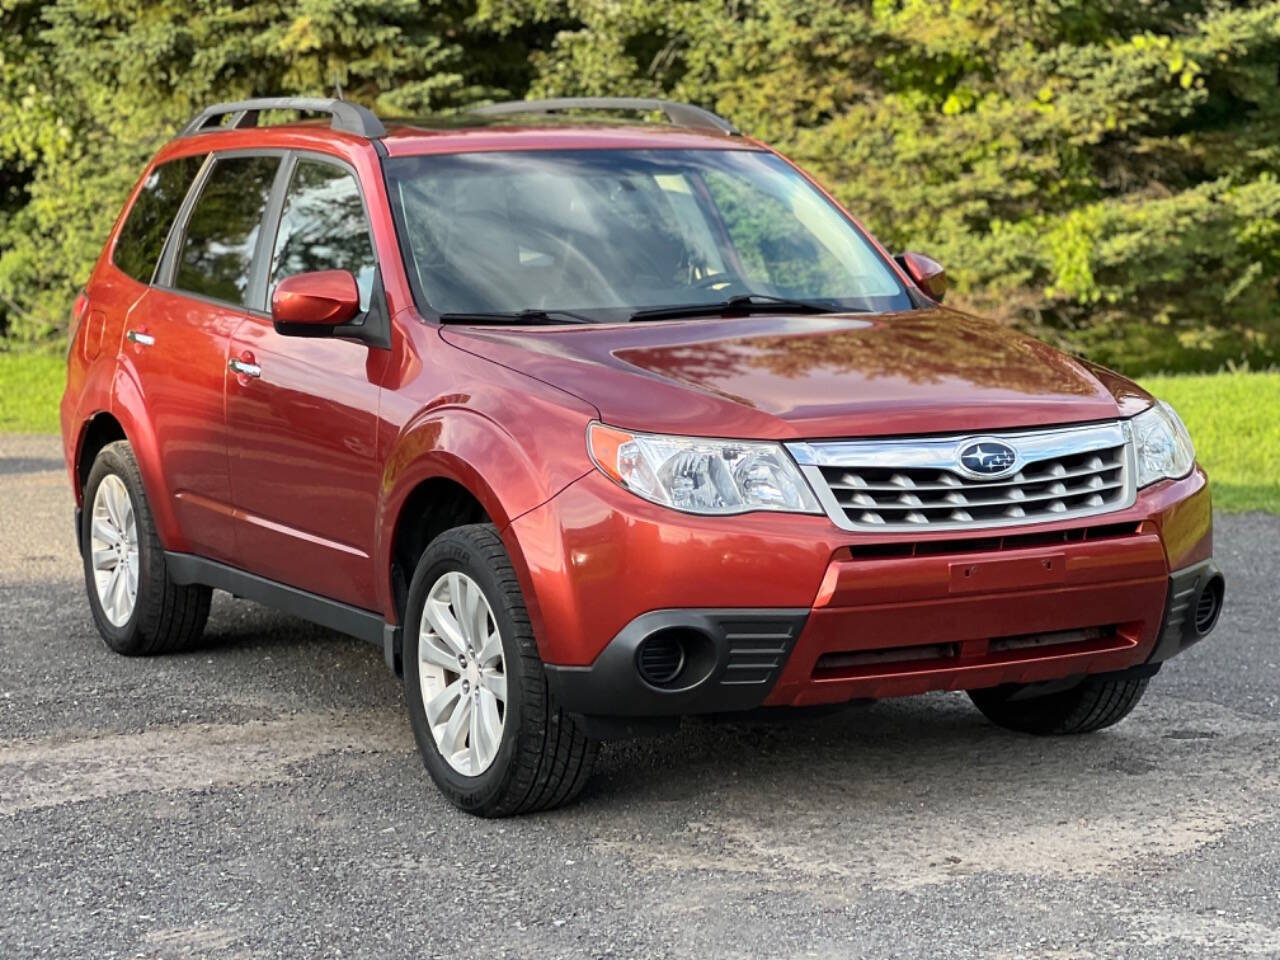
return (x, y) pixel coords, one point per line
(1096, 703)
(542, 759)
(164, 617)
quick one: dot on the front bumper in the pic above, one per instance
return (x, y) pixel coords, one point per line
(784, 657)
(801, 613)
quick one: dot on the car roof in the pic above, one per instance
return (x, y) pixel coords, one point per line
(409, 139)
(521, 125)
(406, 137)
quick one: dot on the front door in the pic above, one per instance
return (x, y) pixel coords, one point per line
(302, 421)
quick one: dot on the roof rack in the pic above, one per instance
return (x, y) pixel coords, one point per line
(679, 114)
(347, 117)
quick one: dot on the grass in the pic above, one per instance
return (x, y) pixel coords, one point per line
(30, 387)
(1233, 417)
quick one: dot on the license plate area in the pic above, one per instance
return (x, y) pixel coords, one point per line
(1012, 573)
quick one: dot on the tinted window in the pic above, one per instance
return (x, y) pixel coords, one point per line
(142, 236)
(217, 254)
(323, 227)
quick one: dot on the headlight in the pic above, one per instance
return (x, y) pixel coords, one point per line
(1162, 445)
(701, 476)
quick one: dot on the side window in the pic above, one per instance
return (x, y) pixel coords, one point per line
(142, 237)
(323, 227)
(222, 232)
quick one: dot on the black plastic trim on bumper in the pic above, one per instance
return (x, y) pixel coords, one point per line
(746, 651)
(1178, 631)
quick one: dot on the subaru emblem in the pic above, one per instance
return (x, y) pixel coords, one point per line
(987, 458)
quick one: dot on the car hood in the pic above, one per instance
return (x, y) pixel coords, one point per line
(785, 377)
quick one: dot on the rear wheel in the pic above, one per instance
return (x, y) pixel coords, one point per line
(1097, 702)
(138, 610)
(489, 733)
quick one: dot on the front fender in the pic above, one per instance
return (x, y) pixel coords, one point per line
(509, 476)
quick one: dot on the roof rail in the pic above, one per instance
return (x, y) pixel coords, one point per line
(679, 114)
(347, 117)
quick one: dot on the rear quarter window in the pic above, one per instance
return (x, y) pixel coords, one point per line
(141, 239)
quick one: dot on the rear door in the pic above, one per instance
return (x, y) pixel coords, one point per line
(137, 251)
(180, 333)
(303, 424)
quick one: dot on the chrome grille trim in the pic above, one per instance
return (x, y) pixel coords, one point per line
(913, 484)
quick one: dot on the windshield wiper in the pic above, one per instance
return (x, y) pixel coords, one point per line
(741, 305)
(530, 316)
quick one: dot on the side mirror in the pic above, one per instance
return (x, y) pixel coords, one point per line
(314, 304)
(926, 272)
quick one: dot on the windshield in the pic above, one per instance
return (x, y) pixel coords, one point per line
(604, 233)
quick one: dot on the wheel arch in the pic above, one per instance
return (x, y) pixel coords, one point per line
(435, 505)
(450, 467)
(96, 432)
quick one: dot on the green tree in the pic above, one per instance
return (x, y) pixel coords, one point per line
(90, 89)
(1101, 173)
(1105, 174)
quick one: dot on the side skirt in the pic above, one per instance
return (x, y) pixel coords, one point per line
(186, 568)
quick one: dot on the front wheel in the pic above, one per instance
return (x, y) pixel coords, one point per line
(489, 733)
(1095, 703)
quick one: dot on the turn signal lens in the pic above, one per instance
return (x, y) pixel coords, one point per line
(699, 475)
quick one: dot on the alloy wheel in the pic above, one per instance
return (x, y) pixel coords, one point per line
(462, 674)
(113, 542)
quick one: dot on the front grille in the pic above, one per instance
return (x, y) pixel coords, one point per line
(898, 495)
(909, 484)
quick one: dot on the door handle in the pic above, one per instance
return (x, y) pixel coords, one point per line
(244, 368)
(140, 338)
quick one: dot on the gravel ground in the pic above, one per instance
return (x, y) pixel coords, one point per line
(261, 797)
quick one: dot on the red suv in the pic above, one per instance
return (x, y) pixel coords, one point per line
(591, 425)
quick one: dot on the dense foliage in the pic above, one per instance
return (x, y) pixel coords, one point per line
(1106, 174)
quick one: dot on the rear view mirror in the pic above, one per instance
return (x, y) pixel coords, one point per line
(313, 304)
(927, 273)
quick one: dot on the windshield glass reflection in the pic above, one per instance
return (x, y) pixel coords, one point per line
(605, 232)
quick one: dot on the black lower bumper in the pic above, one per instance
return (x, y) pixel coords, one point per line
(732, 658)
(1191, 610)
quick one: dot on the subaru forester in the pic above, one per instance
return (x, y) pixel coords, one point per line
(591, 423)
